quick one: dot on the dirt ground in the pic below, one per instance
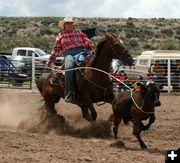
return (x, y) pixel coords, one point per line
(26, 136)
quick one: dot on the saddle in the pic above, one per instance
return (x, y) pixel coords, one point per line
(81, 59)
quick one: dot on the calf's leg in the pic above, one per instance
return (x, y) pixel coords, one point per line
(117, 120)
(151, 121)
(137, 131)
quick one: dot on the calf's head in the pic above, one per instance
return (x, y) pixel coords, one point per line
(154, 93)
(150, 91)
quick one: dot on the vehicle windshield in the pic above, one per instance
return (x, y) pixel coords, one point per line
(40, 52)
(116, 65)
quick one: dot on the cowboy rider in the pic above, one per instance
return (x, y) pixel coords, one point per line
(69, 42)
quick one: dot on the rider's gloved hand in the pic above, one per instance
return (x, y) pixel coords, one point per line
(47, 65)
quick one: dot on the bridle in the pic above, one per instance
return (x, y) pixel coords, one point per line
(114, 51)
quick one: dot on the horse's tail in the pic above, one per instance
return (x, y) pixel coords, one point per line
(40, 83)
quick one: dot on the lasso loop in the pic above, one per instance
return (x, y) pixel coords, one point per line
(58, 69)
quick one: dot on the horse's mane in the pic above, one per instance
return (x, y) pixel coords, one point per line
(98, 49)
(99, 46)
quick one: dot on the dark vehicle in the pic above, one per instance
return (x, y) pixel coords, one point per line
(9, 72)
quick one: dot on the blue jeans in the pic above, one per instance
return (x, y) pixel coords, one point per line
(69, 64)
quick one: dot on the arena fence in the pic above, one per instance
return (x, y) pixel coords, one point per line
(164, 72)
(16, 74)
(24, 74)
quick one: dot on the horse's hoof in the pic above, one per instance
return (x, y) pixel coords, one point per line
(61, 118)
(143, 147)
(118, 144)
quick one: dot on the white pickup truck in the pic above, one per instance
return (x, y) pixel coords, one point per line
(25, 53)
(22, 57)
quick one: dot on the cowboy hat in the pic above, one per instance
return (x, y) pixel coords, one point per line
(67, 19)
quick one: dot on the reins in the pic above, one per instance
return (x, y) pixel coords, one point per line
(59, 70)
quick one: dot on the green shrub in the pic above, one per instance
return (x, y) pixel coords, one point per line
(169, 45)
(167, 32)
(130, 24)
(45, 31)
(133, 43)
(149, 47)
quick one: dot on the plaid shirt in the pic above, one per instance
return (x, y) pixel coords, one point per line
(65, 41)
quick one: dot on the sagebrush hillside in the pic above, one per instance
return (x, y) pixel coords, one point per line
(139, 34)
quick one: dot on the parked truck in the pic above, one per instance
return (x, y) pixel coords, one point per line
(22, 57)
(25, 54)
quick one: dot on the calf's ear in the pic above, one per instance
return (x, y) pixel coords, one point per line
(138, 86)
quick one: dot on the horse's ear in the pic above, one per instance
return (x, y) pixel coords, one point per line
(108, 36)
(122, 35)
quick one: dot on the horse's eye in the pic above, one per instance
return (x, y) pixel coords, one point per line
(116, 44)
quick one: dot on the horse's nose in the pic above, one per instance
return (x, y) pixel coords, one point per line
(130, 61)
(133, 62)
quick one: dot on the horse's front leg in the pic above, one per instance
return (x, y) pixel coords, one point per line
(89, 104)
(137, 131)
(93, 112)
(85, 113)
(50, 107)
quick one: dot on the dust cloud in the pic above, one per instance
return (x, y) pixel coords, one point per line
(25, 111)
(13, 108)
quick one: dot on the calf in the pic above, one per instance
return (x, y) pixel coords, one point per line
(136, 105)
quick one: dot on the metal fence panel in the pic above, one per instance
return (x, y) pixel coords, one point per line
(25, 73)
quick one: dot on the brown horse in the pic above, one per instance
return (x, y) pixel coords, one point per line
(91, 86)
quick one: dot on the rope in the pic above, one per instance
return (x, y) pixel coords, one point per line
(57, 69)
(138, 106)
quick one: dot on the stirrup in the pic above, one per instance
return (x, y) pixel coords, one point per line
(70, 97)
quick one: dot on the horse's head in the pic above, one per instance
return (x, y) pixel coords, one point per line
(118, 49)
